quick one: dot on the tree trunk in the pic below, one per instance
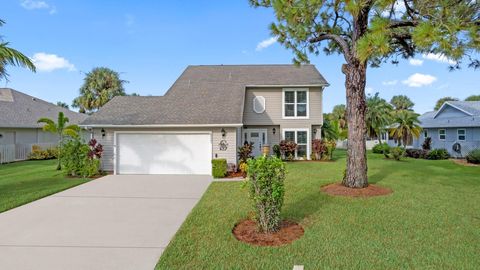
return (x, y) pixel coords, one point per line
(59, 162)
(356, 175)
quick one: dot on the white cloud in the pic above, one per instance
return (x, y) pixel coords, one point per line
(415, 62)
(266, 43)
(32, 4)
(419, 80)
(392, 82)
(49, 62)
(438, 57)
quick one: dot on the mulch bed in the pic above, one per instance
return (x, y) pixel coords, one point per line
(464, 162)
(337, 189)
(234, 175)
(246, 231)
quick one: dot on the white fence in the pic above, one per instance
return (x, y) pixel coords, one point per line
(18, 152)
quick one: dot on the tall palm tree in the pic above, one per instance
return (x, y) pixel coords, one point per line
(406, 125)
(99, 87)
(378, 116)
(402, 102)
(12, 57)
(61, 129)
(339, 114)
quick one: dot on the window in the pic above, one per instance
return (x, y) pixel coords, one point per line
(441, 134)
(295, 103)
(259, 104)
(300, 137)
(461, 134)
(425, 133)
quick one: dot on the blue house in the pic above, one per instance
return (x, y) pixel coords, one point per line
(455, 127)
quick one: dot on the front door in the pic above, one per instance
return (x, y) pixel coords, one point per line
(258, 137)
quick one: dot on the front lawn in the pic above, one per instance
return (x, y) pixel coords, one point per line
(431, 221)
(26, 181)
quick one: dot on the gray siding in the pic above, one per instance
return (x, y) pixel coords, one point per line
(109, 145)
(472, 140)
(450, 112)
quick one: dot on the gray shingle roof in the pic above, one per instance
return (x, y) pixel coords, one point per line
(203, 95)
(19, 110)
(428, 119)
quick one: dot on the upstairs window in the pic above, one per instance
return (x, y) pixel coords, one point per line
(295, 103)
(441, 134)
(461, 134)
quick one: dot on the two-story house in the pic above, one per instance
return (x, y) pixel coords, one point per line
(208, 113)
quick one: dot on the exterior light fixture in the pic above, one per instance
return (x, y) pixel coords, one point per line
(314, 131)
(224, 133)
(103, 133)
(274, 130)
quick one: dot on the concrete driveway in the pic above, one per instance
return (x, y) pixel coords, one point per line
(115, 222)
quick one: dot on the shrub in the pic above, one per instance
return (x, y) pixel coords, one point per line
(474, 156)
(80, 159)
(416, 153)
(331, 146)
(219, 167)
(276, 151)
(287, 149)
(323, 149)
(381, 148)
(436, 154)
(39, 154)
(245, 152)
(266, 176)
(397, 152)
(427, 143)
(243, 168)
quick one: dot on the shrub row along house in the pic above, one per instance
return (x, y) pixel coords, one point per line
(207, 113)
(19, 130)
(454, 127)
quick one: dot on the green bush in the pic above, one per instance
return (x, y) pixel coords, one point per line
(39, 154)
(397, 152)
(81, 159)
(266, 176)
(381, 148)
(474, 156)
(277, 151)
(436, 154)
(219, 167)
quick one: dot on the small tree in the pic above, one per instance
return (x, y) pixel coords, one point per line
(378, 116)
(406, 126)
(62, 130)
(266, 176)
(443, 100)
(473, 98)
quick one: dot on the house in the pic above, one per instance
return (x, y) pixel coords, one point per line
(19, 129)
(455, 127)
(208, 113)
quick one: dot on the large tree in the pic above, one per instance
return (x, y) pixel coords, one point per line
(402, 102)
(371, 32)
(378, 116)
(473, 98)
(443, 100)
(12, 57)
(99, 87)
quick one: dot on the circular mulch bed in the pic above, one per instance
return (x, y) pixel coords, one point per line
(337, 189)
(246, 231)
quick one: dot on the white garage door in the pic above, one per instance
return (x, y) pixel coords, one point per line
(163, 153)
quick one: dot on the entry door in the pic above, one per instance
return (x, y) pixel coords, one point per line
(258, 137)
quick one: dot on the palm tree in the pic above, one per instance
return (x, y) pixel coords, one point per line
(339, 114)
(402, 102)
(378, 116)
(10, 56)
(406, 125)
(99, 87)
(61, 129)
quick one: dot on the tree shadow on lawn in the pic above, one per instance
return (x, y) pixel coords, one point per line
(302, 207)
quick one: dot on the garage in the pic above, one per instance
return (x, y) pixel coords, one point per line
(163, 153)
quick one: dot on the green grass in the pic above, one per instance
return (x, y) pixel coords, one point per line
(26, 181)
(431, 221)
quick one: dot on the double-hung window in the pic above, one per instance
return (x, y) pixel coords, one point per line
(295, 103)
(300, 137)
(442, 134)
(461, 133)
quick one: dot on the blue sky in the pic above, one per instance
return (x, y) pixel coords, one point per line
(151, 42)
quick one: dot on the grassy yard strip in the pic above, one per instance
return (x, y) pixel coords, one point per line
(431, 221)
(26, 181)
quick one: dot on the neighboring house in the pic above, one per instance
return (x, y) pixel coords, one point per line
(208, 113)
(19, 129)
(455, 127)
